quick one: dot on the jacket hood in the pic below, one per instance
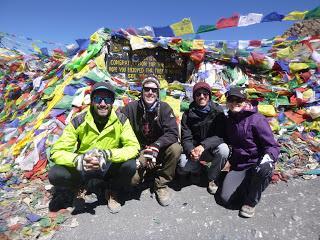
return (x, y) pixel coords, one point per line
(248, 110)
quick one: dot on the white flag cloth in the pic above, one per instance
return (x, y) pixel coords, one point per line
(251, 18)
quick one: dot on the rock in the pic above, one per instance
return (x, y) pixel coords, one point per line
(304, 28)
(276, 214)
(256, 233)
(296, 218)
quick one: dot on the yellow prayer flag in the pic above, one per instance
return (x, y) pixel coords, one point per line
(222, 99)
(52, 81)
(100, 61)
(295, 15)
(274, 124)
(140, 43)
(94, 37)
(175, 105)
(183, 27)
(36, 48)
(267, 110)
(198, 44)
(284, 53)
(251, 90)
(296, 67)
(308, 94)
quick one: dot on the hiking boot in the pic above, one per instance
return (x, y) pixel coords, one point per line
(163, 196)
(247, 211)
(212, 187)
(113, 202)
(138, 177)
(61, 199)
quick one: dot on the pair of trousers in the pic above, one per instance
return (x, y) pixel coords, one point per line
(217, 156)
(245, 187)
(166, 166)
(116, 178)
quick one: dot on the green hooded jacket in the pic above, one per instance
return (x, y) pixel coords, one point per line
(82, 135)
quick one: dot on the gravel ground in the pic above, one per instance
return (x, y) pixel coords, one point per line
(287, 211)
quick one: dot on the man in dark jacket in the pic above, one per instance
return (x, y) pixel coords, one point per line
(155, 126)
(202, 129)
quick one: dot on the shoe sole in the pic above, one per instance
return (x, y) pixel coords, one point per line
(246, 215)
(113, 211)
(212, 192)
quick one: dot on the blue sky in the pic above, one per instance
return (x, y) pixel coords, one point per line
(64, 21)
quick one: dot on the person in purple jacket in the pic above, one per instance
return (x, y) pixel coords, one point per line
(254, 153)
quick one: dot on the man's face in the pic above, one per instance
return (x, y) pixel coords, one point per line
(101, 103)
(235, 104)
(202, 97)
(150, 93)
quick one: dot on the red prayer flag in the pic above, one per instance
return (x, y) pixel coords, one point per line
(255, 43)
(228, 22)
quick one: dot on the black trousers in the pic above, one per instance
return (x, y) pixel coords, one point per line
(118, 177)
(245, 187)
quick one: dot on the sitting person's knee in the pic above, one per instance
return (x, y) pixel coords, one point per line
(175, 149)
(129, 167)
(223, 150)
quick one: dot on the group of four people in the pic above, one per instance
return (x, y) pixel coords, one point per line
(120, 148)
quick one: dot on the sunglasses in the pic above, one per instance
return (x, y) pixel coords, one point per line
(98, 99)
(204, 93)
(235, 99)
(147, 89)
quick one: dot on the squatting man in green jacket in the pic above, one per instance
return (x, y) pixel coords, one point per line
(97, 144)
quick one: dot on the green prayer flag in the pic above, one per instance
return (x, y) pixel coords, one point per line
(45, 222)
(293, 84)
(206, 28)
(313, 14)
(65, 102)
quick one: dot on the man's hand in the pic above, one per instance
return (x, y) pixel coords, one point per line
(148, 158)
(93, 160)
(266, 158)
(143, 162)
(91, 163)
(196, 153)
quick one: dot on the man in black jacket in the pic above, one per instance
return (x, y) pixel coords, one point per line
(202, 129)
(155, 126)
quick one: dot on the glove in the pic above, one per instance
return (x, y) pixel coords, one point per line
(265, 168)
(101, 155)
(104, 159)
(151, 152)
(78, 162)
(149, 156)
(266, 158)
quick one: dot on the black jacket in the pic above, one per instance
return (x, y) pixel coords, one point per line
(205, 129)
(163, 124)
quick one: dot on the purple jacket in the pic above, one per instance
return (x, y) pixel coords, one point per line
(250, 136)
